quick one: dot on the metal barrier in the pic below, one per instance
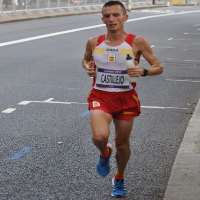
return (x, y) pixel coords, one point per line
(15, 5)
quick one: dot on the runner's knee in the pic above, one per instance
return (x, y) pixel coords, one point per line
(100, 139)
(122, 146)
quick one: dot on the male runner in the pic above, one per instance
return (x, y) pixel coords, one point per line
(113, 96)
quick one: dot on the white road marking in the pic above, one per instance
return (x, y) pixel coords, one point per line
(24, 103)
(175, 59)
(49, 100)
(171, 38)
(191, 60)
(183, 80)
(90, 27)
(161, 107)
(182, 39)
(191, 33)
(156, 11)
(162, 47)
(82, 103)
(52, 102)
(165, 47)
(9, 110)
(49, 35)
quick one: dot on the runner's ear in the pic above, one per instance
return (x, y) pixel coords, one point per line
(126, 17)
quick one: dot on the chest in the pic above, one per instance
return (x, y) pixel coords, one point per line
(112, 55)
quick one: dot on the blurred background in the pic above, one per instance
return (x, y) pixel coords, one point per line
(17, 5)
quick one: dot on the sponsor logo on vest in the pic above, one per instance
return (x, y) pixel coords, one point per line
(112, 49)
(111, 58)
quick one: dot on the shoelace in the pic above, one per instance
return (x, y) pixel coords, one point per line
(119, 184)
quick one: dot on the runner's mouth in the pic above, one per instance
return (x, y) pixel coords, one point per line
(112, 25)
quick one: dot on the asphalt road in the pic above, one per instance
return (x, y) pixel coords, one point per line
(45, 147)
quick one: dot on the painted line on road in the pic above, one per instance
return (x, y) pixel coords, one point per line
(162, 47)
(24, 103)
(191, 33)
(161, 107)
(20, 153)
(85, 113)
(49, 100)
(82, 103)
(186, 60)
(156, 11)
(167, 47)
(89, 28)
(181, 39)
(191, 60)
(8, 110)
(183, 80)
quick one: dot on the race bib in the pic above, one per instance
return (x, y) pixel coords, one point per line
(107, 78)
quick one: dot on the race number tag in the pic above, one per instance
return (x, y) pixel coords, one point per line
(108, 78)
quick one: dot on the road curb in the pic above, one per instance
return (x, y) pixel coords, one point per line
(58, 12)
(184, 182)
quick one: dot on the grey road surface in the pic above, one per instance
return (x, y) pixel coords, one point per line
(45, 146)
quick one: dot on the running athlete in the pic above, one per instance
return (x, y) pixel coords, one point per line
(113, 97)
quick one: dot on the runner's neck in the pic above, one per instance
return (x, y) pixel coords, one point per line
(115, 38)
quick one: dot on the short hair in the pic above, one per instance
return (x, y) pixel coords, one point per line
(113, 3)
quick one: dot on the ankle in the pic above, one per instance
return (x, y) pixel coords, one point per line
(119, 176)
(106, 153)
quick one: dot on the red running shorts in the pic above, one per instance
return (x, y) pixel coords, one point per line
(121, 105)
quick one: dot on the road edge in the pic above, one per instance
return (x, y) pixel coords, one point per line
(184, 181)
(59, 12)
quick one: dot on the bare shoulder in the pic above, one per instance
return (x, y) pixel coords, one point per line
(92, 42)
(90, 46)
(141, 43)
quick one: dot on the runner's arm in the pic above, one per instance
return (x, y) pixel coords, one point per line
(147, 52)
(87, 62)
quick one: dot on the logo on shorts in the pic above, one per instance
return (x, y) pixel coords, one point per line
(95, 104)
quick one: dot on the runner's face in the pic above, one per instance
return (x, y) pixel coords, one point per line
(114, 18)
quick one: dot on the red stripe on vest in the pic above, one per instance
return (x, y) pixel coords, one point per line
(130, 38)
(100, 39)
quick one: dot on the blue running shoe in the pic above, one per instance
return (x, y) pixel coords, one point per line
(103, 166)
(118, 188)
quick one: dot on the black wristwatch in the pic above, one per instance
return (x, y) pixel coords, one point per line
(146, 72)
